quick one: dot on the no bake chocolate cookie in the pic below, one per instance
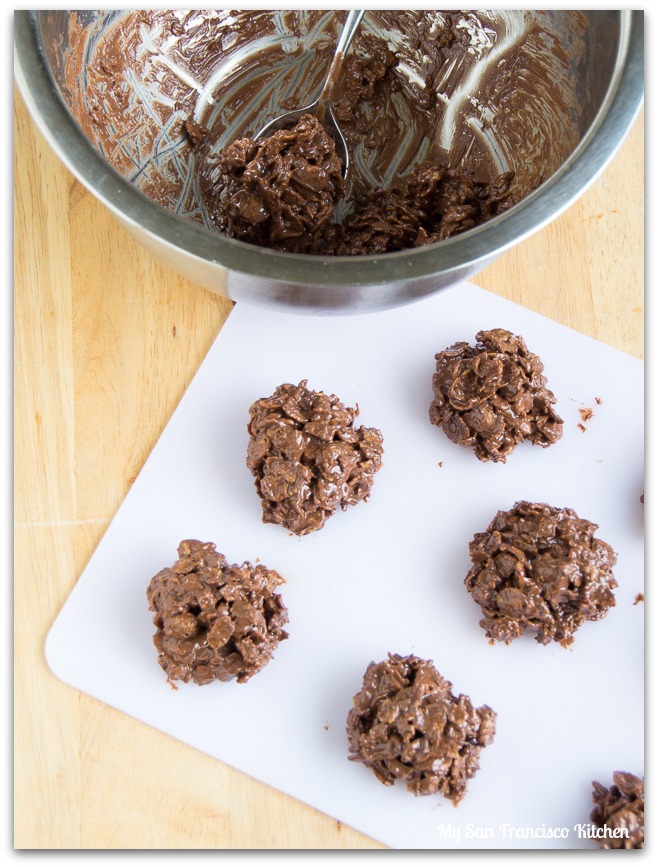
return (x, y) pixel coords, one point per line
(541, 569)
(407, 725)
(621, 806)
(308, 458)
(215, 621)
(492, 396)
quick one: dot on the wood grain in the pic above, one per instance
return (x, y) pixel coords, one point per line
(106, 342)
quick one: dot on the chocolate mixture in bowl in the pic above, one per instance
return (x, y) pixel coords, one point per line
(540, 569)
(286, 192)
(431, 204)
(450, 117)
(283, 193)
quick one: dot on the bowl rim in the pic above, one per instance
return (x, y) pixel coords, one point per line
(132, 207)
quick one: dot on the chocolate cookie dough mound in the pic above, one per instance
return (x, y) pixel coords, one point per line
(407, 725)
(432, 204)
(620, 807)
(542, 569)
(215, 621)
(493, 396)
(280, 192)
(307, 457)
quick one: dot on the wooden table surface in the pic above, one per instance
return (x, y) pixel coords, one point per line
(106, 342)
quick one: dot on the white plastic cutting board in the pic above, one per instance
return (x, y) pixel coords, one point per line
(386, 575)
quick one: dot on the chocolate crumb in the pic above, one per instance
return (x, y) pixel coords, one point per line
(638, 599)
(586, 413)
(214, 621)
(405, 724)
(582, 428)
(598, 400)
(307, 457)
(620, 808)
(493, 396)
(540, 568)
(196, 132)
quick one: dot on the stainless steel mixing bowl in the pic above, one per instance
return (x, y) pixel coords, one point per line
(609, 92)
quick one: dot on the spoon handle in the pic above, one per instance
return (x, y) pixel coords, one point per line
(350, 27)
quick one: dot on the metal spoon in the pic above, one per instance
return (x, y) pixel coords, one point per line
(321, 108)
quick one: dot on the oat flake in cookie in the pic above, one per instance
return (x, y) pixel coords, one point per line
(307, 457)
(407, 725)
(215, 621)
(493, 396)
(620, 807)
(541, 569)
